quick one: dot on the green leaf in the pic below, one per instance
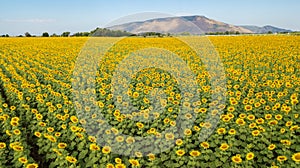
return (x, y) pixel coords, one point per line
(82, 154)
(243, 137)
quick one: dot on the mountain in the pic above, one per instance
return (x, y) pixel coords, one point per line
(176, 25)
(266, 29)
(192, 24)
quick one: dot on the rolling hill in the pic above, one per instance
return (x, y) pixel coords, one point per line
(191, 24)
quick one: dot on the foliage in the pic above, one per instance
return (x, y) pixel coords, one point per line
(104, 32)
(45, 34)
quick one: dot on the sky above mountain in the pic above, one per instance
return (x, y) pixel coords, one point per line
(57, 16)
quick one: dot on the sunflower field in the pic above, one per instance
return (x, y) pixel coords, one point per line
(257, 124)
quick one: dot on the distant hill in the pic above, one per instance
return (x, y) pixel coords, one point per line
(190, 24)
(176, 25)
(266, 29)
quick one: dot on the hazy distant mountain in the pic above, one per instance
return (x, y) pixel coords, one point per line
(266, 29)
(191, 24)
(176, 25)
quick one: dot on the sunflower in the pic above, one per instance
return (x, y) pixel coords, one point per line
(278, 117)
(57, 134)
(195, 153)
(232, 132)
(94, 147)
(23, 160)
(224, 146)
(17, 132)
(2, 145)
(281, 158)
(51, 138)
(71, 159)
(236, 159)
(282, 130)
(248, 107)
(179, 142)
(15, 119)
(271, 146)
(267, 108)
(120, 165)
(92, 139)
(50, 129)
(286, 142)
(260, 121)
(12, 108)
(134, 162)
(109, 165)
(226, 119)
(39, 116)
(32, 165)
(119, 139)
(255, 132)
(296, 157)
(17, 148)
(295, 127)
(135, 94)
(268, 116)
(196, 128)
(166, 120)
(251, 117)
(207, 125)
(221, 131)
(230, 115)
(118, 160)
(138, 154)
(106, 149)
(240, 121)
(250, 156)
(74, 119)
(288, 123)
(188, 116)
(169, 136)
(252, 125)
(231, 109)
(140, 125)
(205, 145)
(61, 145)
(187, 132)
(273, 122)
(130, 140)
(180, 152)
(151, 156)
(243, 115)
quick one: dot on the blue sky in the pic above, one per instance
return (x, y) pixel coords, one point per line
(57, 16)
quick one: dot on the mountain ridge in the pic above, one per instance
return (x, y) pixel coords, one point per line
(195, 24)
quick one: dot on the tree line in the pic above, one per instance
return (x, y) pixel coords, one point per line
(98, 32)
(104, 32)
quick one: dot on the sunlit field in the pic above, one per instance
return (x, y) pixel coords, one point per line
(258, 124)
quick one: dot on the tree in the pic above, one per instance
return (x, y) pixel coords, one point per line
(108, 33)
(54, 35)
(45, 34)
(6, 35)
(27, 34)
(65, 34)
(81, 34)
